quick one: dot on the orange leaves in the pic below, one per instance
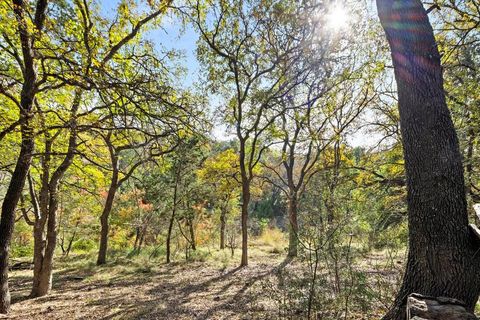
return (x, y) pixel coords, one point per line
(142, 204)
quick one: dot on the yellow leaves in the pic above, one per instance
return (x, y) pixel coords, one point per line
(125, 213)
(127, 10)
(221, 170)
(328, 156)
(6, 18)
(256, 189)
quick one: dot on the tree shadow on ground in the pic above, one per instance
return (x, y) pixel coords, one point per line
(175, 291)
(203, 297)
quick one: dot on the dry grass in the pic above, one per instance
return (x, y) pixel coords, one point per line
(273, 239)
(143, 288)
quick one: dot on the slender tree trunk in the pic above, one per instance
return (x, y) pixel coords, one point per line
(223, 220)
(142, 236)
(172, 220)
(39, 244)
(293, 226)
(39, 235)
(70, 242)
(192, 234)
(107, 209)
(245, 202)
(137, 238)
(169, 235)
(442, 259)
(104, 223)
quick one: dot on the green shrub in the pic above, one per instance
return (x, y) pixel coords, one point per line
(198, 255)
(84, 245)
(22, 251)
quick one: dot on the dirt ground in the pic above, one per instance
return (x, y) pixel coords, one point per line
(177, 291)
(144, 289)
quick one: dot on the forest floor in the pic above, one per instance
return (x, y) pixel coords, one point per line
(139, 289)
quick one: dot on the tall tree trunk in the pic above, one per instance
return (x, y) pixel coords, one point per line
(9, 205)
(104, 223)
(223, 222)
(39, 239)
(245, 202)
(27, 98)
(39, 244)
(44, 248)
(107, 209)
(42, 281)
(169, 235)
(244, 217)
(441, 258)
(245, 198)
(72, 238)
(192, 234)
(143, 232)
(172, 219)
(293, 226)
(137, 238)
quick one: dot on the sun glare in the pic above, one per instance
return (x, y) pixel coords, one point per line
(337, 18)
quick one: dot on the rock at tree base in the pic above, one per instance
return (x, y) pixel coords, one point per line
(428, 308)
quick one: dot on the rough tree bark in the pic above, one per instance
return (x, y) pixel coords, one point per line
(441, 258)
(27, 98)
(8, 211)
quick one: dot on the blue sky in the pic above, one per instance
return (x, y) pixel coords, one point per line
(169, 37)
(172, 36)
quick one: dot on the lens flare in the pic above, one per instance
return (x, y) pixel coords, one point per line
(337, 18)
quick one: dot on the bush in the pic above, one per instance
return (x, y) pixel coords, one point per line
(22, 251)
(84, 245)
(198, 255)
(156, 252)
(274, 238)
(393, 237)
